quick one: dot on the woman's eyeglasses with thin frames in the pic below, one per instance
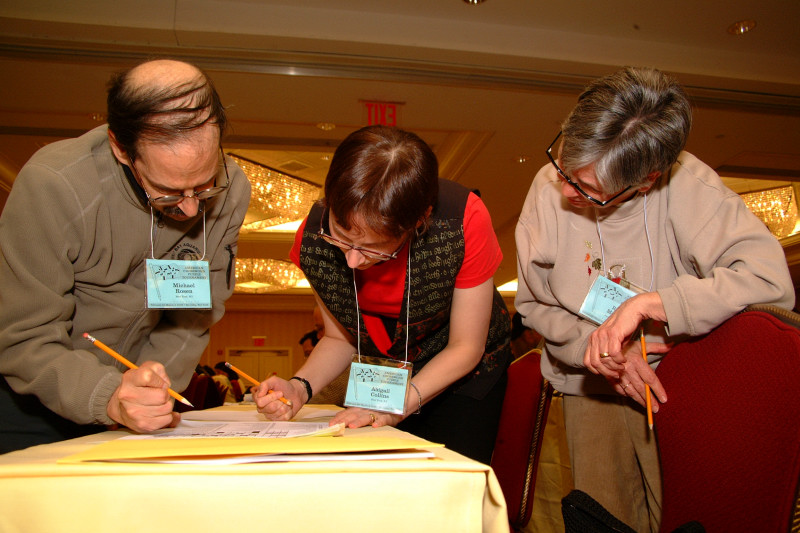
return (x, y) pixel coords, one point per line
(346, 246)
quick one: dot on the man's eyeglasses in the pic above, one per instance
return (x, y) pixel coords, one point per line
(171, 200)
(575, 185)
(346, 246)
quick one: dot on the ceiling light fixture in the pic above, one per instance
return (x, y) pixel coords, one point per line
(777, 209)
(326, 126)
(473, 2)
(741, 27)
(258, 276)
(276, 197)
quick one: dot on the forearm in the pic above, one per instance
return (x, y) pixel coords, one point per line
(469, 328)
(447, 367)
(330, 357)
(695, 306)
(729, 262)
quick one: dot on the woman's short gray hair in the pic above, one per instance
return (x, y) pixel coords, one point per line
(628, 124)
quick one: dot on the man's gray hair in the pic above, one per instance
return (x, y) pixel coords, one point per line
(628, 124)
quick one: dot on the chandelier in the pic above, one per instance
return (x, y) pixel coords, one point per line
(276, 197)
(776, 208)
(258, 276)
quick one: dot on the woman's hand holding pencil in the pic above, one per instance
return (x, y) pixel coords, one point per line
(255, 382)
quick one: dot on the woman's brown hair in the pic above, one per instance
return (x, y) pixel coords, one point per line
(388, 176)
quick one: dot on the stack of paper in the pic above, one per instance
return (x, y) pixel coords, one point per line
(227, 437)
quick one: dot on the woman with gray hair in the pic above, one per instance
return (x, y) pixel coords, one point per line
(626, 244)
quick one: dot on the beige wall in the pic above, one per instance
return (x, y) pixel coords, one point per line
(281, 319)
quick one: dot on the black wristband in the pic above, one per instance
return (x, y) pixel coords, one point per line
(307, 385)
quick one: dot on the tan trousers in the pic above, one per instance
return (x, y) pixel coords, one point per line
(615, 458)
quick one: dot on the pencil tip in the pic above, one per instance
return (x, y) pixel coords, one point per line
(187, 402)
(651, 426)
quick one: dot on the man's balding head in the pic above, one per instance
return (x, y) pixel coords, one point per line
(161, 101)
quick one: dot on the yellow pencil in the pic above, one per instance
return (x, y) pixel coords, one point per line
(130, 365)
(254, 381)
(646, 386)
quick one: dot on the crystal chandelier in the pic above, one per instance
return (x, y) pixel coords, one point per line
(258, 276)
(776, 208)
(276, 197)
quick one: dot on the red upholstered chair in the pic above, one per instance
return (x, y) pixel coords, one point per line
(519, 437)
(729, 436)
(237, 390)
(195, 392)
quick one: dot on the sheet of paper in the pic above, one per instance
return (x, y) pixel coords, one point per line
(248, 413)
(160, 449)
(188, 429)
(284, 458)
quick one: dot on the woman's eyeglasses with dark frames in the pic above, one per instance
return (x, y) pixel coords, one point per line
(575, 185)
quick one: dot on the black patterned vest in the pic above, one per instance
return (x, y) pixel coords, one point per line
(436, 259)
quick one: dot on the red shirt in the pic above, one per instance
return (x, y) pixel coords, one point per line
(380, 287)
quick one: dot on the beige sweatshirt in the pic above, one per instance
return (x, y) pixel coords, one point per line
(711, 258)
(73, 239)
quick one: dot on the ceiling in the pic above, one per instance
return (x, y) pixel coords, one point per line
(486, 85)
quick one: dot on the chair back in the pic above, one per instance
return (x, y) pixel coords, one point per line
(519, 436)
(729, 435)
(195, 393)
(237, 390)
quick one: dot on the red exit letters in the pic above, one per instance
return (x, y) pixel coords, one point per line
(384, 113)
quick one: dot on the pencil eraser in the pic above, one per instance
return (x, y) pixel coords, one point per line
(85, 335)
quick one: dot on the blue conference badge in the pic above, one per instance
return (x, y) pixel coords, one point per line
(378, 384)
(178, 284)
(603, 299)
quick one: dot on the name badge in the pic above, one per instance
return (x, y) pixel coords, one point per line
(604, 298)
(177, 284)
(378, 384)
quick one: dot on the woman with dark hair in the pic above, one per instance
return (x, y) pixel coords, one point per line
(402, 265)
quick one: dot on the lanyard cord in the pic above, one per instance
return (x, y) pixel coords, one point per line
(408, 310)
(358, 316)
(647, 234)
(152, 231)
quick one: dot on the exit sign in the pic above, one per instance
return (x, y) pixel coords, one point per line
(383, 113)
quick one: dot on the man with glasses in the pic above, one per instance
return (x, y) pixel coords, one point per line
(622, 232)
(127, 233)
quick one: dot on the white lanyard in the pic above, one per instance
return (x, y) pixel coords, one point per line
(647, 234)
(152, 232)
(377, 383)
(408, 310)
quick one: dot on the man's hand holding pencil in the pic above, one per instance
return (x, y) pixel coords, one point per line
(142, 401)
